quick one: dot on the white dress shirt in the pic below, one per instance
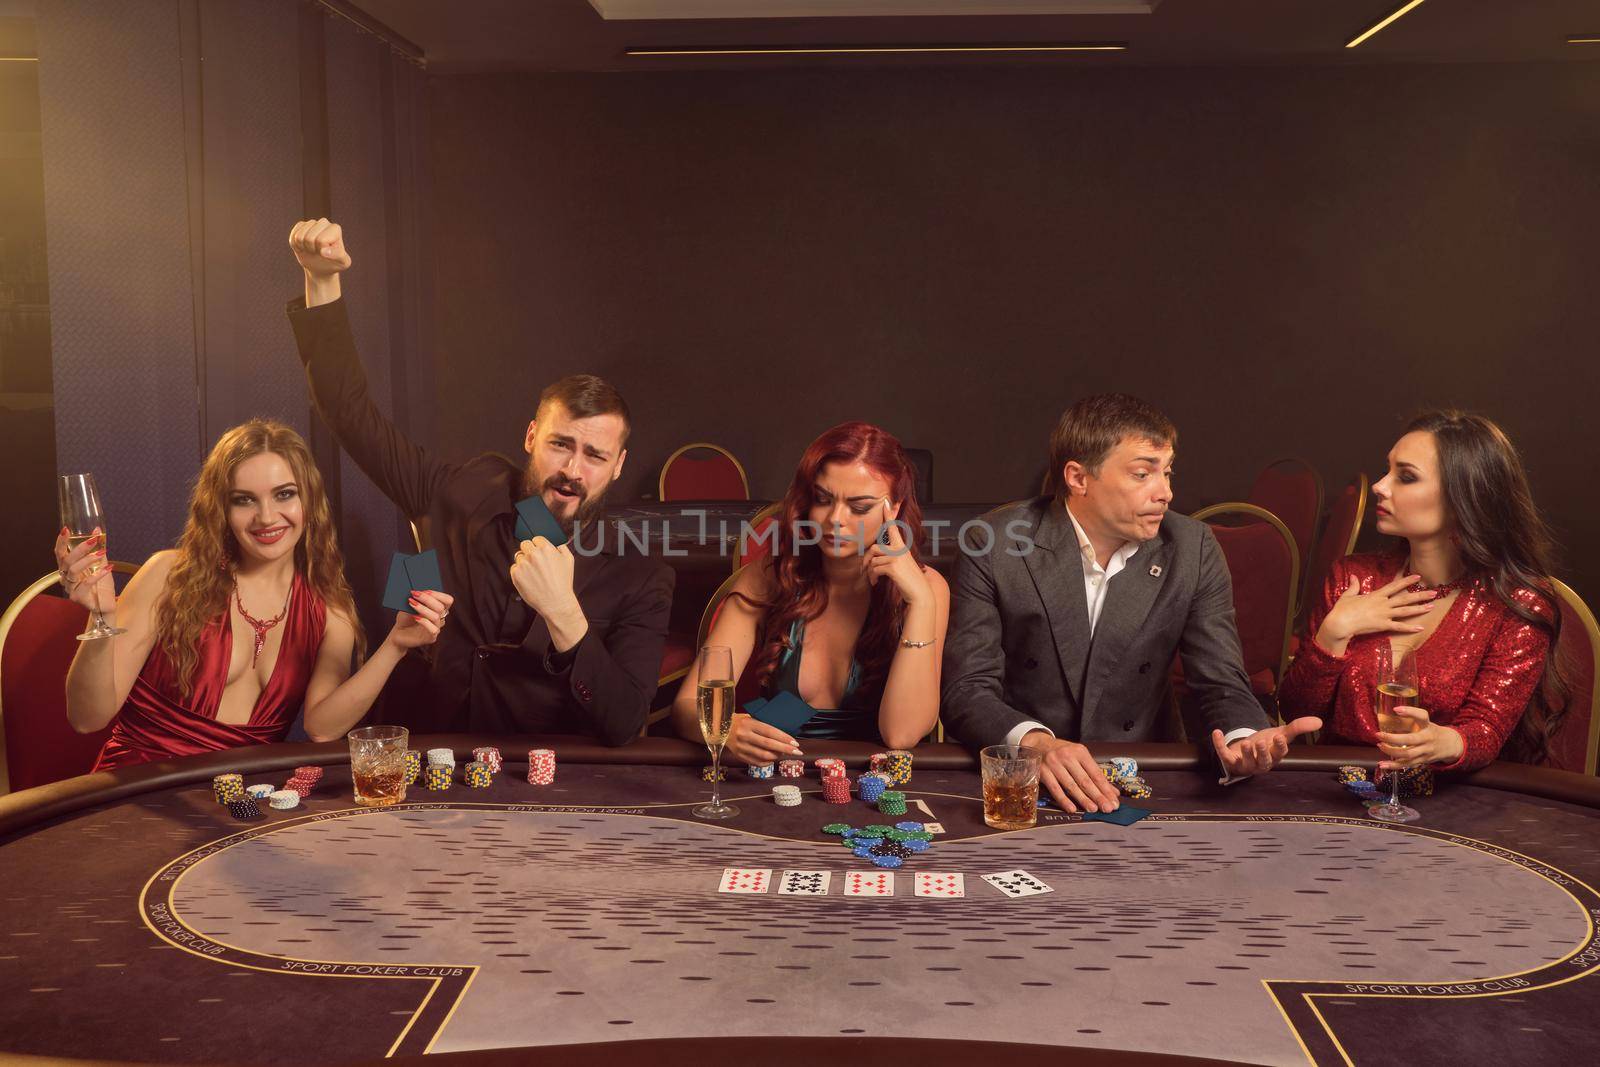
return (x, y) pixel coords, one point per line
(1095, 580)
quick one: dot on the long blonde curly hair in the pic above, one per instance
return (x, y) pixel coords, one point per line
(201, 581)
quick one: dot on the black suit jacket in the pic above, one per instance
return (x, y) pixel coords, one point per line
(1019, 645)
(491, 670)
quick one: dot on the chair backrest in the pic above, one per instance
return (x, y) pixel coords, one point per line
(38, 638)
(1338, 537)
(757, 543)
(1292, 490)
(745, 690)
(1577, 743)
(1265, 567)
(703, 471)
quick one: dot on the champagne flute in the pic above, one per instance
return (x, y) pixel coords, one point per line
(715, 697)
(1397, 687)
(81, 515)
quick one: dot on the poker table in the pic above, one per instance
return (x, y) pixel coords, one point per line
(1265, 922)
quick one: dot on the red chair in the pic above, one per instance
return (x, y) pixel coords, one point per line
(1339, 536)
(755, 541)
(1292, 490)
(38, 638)
(1577, 743)
(714, 474)
(1265, 567)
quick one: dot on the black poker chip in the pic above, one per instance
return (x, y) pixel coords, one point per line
(244, 808)
(890, 848)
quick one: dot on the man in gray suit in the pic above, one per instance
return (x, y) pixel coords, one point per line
(1063, 627)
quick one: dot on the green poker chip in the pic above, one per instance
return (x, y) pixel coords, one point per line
(878, 830)
(837, 828)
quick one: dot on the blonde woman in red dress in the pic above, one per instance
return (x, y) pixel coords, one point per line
(1465, 589)
(249, 618)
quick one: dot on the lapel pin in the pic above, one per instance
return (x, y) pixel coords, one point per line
(1155, 571)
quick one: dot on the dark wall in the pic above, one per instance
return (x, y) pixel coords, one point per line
(1289, 262)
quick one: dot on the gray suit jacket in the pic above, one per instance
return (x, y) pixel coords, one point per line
(1019, 647)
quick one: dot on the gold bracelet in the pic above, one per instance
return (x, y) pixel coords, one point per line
(914, 644)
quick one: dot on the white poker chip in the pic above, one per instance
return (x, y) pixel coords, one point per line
(786, 796)
(442, 755)
(284, 799)
(261, 792)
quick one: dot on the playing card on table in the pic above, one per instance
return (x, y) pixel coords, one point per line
(937, 884)
(744, 880)
(1017, 884)
(869, 884)
(804, 883)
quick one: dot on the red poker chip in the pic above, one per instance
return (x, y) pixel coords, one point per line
(310, 774)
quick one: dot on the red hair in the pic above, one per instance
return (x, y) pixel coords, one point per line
(797, 587)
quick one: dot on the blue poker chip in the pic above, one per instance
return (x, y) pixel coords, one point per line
(887, 861)
(908, 825)
(1044, 802)
(864, 853)
(916, 845)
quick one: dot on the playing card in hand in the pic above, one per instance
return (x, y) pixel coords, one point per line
(804, 883)
(744, 880)
(1017, 884)
(939, 884)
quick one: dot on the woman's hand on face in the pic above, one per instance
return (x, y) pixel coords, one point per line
(85, 572)
(751, 742)
(894, 562)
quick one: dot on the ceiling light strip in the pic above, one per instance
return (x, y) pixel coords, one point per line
(657, 53)
(1393, 16)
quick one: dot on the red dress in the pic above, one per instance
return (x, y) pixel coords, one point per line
(1477, 671)
(156, 723)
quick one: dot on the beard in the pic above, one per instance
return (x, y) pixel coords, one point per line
(589, 503)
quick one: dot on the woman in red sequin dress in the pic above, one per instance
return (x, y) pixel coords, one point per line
(249, 618)
(1465, 589)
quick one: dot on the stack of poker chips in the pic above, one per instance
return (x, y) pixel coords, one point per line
(227, 788)
(541, 766)
(442, 757)
(489, 755)
(829, 767)
(1414, 781)
(479, 774)
(836, 789)
(786, 796)
(761, 770)
(283, 799)
(438, 776)
(878, 761)
(413, 766)
(304, 780)
(712, 773)
(261, 792)
(871, 787)
(1123, 772)
(884, 846)
(791, 768)
(244, 807)
(898, 764)
(892, 802)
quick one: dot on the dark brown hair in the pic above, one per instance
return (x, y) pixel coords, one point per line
(1091, 428)
(585, 396)
(1505, 544)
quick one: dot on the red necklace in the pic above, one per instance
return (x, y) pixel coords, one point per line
(1443, 589)
(258, 625)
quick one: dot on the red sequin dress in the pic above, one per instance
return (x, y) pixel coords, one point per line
(156, 723)
(1477, 671)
